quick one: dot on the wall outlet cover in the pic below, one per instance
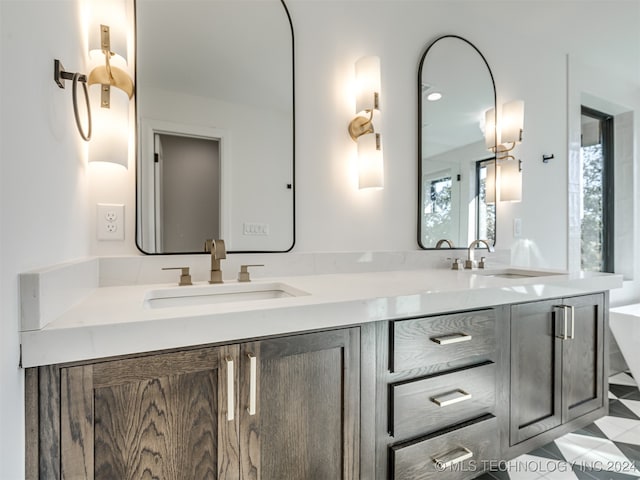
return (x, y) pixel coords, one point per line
(110, 221)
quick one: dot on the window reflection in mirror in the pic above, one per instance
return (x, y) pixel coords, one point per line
(456, 88)
(486, 200)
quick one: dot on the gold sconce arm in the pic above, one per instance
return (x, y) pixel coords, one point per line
(108, 75)
(502, 151)
(361, 125)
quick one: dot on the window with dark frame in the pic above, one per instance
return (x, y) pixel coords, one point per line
(597, 191)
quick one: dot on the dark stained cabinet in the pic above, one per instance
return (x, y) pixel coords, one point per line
(268, 410)
(300, 416)
(407, 399)
(437, 396)
(557, 369)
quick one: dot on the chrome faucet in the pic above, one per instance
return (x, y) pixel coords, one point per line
(442, 241)
(218, 252)
(469, 263)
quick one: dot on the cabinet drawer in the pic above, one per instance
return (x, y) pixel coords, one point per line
(433, 403)
(457, 453)
(422, 342)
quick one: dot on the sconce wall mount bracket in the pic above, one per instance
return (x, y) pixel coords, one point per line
(361, 125)
(107, 75)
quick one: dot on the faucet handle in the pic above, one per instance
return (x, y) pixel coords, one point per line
(483, 262)
(207, 245)
(185, 276)
(243, 274)
(456, 265)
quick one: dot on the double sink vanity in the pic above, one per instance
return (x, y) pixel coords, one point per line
(402, 374)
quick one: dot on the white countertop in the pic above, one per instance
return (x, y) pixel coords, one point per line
(114, 320)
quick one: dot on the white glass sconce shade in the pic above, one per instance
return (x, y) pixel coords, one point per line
(510, 181)
(508, 129)
(512, 122)
(110, 140)
(367, 84)
(370, 161)
(114, 14)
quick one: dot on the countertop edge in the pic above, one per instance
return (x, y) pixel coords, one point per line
(89, 342)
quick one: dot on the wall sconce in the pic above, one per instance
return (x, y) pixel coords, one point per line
(111, 115)
(363, 128)
(107, 127)
(501, 138)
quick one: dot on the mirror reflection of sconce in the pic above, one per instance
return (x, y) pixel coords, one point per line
(365, 127)
(501, 139)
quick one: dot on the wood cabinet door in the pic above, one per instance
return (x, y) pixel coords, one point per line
(299, 401)
(536, 368)
(164, 416)
(583, 355)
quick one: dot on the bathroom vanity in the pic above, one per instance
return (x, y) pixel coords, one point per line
(399, 375)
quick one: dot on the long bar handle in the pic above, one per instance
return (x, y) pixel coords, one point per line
(449, 459)
(253, 367)
(572, 309)
(453, 338)
(230, 390)
(564, 335)
(447, 399)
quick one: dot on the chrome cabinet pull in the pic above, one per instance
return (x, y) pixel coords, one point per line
(564, 321)
(573, 321)
(252, 383)
(447, 399)
(453, 338)
(230, 390)
(449, 459)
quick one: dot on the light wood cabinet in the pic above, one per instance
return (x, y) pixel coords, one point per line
(267, 410)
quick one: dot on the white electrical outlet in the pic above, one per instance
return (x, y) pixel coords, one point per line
(110, 221)
(517, 227)
(252, 228)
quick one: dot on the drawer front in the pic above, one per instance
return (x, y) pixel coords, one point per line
(434, 403)
(455, 454)
(422, 342)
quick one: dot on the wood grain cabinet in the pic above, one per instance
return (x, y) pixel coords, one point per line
(439, 389)
(557, 363)
(283, 408)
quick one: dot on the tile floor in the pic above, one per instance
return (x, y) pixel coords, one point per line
(608, 449)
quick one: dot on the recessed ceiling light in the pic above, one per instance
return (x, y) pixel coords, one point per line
(434, 97)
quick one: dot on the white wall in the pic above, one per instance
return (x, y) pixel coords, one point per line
(43, 190)
(48, 195)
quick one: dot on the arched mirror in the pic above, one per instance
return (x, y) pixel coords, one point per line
(215, 125)
(456, 169)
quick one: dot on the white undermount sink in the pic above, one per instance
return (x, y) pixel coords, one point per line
(215, 294)
(516, 273)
